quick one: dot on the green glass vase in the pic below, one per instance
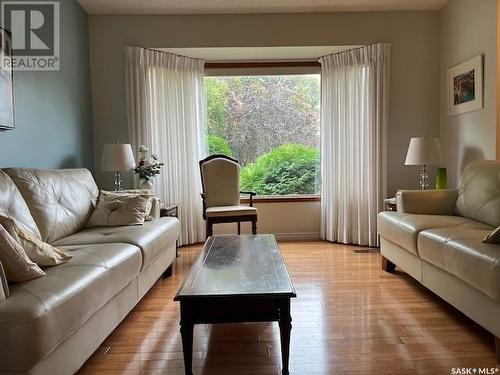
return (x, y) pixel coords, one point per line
(441, 180)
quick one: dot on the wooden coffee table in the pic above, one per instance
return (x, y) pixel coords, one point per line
(237, 279)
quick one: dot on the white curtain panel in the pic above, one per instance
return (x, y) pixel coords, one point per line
(164, 95)
(354, 117)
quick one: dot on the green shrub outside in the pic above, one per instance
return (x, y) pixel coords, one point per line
(218, 145)
(286, 170)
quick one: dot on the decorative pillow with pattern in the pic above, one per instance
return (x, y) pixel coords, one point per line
(117, 209)
(146, 193)
(43, 254)
(493, 237)
(17, 265)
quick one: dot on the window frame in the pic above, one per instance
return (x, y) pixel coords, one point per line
(282, 198)
(255, 68)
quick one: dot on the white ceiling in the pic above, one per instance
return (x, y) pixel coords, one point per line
(251, 6)
(227, 54)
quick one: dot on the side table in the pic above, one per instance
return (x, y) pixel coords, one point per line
(390, 204)
(171, 210)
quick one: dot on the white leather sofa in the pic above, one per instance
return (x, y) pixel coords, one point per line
(436, 237)
(51, 325)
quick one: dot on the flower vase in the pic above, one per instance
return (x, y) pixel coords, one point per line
(146, 184)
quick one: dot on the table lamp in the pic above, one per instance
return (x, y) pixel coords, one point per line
(117, 158)
(424, 151)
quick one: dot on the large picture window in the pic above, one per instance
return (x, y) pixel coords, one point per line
(270, 123)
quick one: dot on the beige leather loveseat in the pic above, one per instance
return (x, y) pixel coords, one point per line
(52, 324)
(436, 237)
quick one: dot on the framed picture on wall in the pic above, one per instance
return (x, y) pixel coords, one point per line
(6, 86)
(465, 86)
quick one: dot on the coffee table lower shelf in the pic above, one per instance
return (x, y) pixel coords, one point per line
(207, 310)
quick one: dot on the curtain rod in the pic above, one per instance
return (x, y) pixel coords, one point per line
(262, 64)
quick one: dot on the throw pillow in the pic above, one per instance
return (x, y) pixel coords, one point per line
(119, 209)
(40, 252)
(145, 193)
(493, 237)
(16, 264)
(4, 290)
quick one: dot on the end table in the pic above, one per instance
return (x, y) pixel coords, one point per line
(390, 204)
(171, 210)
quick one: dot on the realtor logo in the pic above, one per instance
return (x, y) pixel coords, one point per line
(34, 26)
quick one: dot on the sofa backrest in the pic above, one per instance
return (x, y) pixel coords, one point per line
(13, 205)
(479, 194)
(60, 201)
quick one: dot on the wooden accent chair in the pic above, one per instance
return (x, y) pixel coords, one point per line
(220, 179)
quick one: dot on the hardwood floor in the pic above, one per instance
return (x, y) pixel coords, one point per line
(350, 317)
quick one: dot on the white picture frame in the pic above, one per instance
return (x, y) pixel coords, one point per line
(465, 86)
(6, 81)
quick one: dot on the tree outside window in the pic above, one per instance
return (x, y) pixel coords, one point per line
(271, 125)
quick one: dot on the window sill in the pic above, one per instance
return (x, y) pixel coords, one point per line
(283, 198)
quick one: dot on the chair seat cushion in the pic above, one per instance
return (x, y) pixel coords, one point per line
(40, 314)
(153, 237)
(224, 211)
(403, 229)
(461, 252)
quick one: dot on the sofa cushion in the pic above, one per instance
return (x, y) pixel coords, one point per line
(13, 205)
(403, 229)
(479, 194)
(40, 314)
(461, 252)
(427, 202)
(152, 237)
(60, 201)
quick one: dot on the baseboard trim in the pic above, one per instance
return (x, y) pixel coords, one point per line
(306, 236)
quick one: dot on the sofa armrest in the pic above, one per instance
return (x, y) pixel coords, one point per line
(4, 287)
(427, 202)
(155, 209)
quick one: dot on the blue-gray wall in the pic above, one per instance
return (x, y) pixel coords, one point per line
(53, 110)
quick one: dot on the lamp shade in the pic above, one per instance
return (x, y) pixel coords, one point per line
(424, 151)
(117, 157)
